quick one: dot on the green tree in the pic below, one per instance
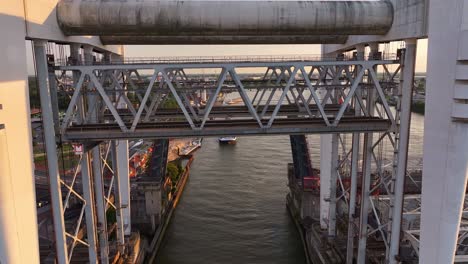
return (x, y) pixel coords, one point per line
(173, 172)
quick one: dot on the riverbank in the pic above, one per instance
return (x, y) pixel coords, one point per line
(232, 210)
(160, 232)
(156, 192)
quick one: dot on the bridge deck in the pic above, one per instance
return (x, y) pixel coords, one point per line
(233, 111)
(225, 127)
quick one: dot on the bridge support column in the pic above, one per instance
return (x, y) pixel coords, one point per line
(51, 150)
(366, 169)
(328, 173)
(203, 95)
(18, 223)
(97, 172)
(121, 190)
(352, 215)
(360, 51)
(54, 98)
(122, 165)
(406, 87)
(89, 207)
(88, 54)
(328, 178)
(100, 205)
(352, 212)
(365, 202)
(122, 169)
(445, 166)
(86, 178)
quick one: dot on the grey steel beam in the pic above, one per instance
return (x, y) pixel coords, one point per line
(176, 96)
(406, 80)
(89, 205)
(366, 176)
(352, 198)
(280, 101)
(232, 39)
(118, 197)
(212, 99)
(314, 127)
(354, 181)
(365, 196)
(100, 205)
(352, 90)
(244, 96)
(217, 63)
(124, 184)
(54, 100)
(144, 100)
(51, 151)
(75, 58)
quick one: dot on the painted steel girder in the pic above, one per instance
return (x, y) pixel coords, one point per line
(296, 82)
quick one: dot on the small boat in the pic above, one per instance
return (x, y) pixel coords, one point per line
(227, 140)
(191, 147)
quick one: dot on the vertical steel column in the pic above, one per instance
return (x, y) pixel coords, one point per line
(100, 205)
(360, 51)
(54, 99)
(203, 95)
(117, 198)
(333, 180)
(89, 207)
(328, 178)
(92, 95)
(122, 168)
(76, 59)
(366, 175)
(353, 190)
(86, 177)
(97, 174)
(328, 174)
(406, 85)
(88, 54)
(51, 150)
(352, 197)
(365, 203)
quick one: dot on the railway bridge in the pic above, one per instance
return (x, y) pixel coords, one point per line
(345, 91)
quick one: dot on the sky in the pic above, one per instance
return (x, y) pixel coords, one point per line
(232, 50)
(226, 50)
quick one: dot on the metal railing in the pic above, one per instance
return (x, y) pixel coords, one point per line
(217, 59)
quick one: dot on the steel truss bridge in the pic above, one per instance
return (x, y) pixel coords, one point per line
(128, 99)
(366, 207)
(111, 101)
(294, 96)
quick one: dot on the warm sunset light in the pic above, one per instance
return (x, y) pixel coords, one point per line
(233, 131)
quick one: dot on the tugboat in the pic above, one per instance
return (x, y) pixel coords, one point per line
(227, 140)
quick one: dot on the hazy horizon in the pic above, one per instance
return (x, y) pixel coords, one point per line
(234, 50)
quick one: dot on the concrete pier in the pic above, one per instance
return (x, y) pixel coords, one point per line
(18, 222)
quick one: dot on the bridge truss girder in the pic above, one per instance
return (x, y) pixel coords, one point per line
(292, 97)
(284, 84)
